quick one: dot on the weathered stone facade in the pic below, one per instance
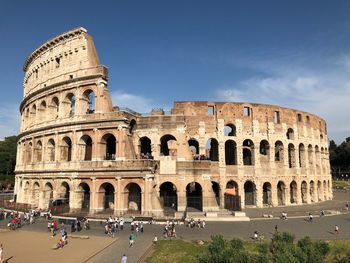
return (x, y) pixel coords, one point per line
(74, 144)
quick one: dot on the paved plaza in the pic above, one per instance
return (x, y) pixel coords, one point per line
(33, 242)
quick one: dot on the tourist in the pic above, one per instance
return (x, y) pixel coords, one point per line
(276, 228)
(1, 253)
(141, 227)
(255, 235)
(336, 229)
(322, 214)
(203, 224)
(155, 240)
(124, 259)
(131, 239)
(310, 217)
(121, 223)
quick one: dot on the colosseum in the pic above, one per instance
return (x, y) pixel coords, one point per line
(203, 156)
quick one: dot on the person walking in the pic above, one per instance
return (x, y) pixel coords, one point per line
(336, 229)
(276, 228)
(131, 239)
(1, 253)
(124, 259)
(310, 217)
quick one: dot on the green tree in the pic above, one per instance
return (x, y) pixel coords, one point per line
(7, 161)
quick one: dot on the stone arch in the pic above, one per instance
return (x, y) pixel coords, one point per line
(26, 191)
(29, 152)
(232, 188)
(55, 106)
(293, 192)
(310, 155)
(279, 151)
(38, 151)
(66, 149)
(324, 190)
(33, 113)
(42, 111)
(88, 101)
(230, 152)
(290, 134)
(319, 190)
(194, 197)
(291, 155)
(215, 186)
(133, 200)
(249, 193)
(69, 109)
(109, 143)
(64, 191)
(83, 195)
(47, 194)
(212, 150)
(50, 150)
(312, 191)
(248, 152)
(193, 147)
(85, 145)
(302, 157)
(168, 195)
(145, 148)
(230, 130)
(132, 126)
(106, 196)
(317, 157)
(267, 194)
(303, 189)
(281, 193)
(164, 147)
(35, 194)
(264, 151)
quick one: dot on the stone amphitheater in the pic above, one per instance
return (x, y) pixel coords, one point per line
(204, 156)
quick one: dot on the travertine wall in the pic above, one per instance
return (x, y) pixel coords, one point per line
(74, 144)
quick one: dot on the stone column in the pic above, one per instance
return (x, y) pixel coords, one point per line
(299, 199)
(274, 197)
(118, 198)
(181, 196)
(259, 195)
(287, 194)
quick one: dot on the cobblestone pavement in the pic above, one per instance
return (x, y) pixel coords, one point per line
(320, 228)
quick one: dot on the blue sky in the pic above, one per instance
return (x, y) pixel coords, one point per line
(290, 53)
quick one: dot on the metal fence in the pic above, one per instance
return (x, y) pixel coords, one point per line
(233, 202)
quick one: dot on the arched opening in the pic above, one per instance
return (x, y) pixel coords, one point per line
(145, 148)
(168, 196)
(35, 194)
(89, 99)
(48, 194)
(310, 155)
(267, 195)
(279, 151)
(324, 190)
(281, 193)
(216, 191)
(164, 147)
(212, 150)
(312, 191)
(42, 111)
(290, 134)
(264, 151)
(302, 155)
(133, 199)
(110, 143)
(232, 198)
(291, 155)
(64, 191)
(26, 191)
(38, 151)
(84, 195)
(230, 152)
(319, 190)
(66, 149)
(230, 130)
(33, 114)
(249, 193)
(317, 156)
(194, 197)
(55, 107)
(194, 148)
(107, 193)
(248, 152)
(70, 100)
(132, 126)
(304, 192)
(29, 152)
(51, 150)
(293, 192)
(86, 148)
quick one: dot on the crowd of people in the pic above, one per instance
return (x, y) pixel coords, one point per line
(191, 223)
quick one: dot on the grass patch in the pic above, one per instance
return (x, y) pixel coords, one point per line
(339, 249)
(176, 251)
(341, 184)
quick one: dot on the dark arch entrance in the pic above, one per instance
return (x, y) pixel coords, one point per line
(249, 193)
(304, 192)
(146, 148)
(212, 150)
(267, 198)
(164, 149)
(168, 195)
(230, 152)
(133, 191)
(85, 195)
(216, 190)
(281, 193)
(194, 196)
(110, 143)
(107, 190)
(293, 192)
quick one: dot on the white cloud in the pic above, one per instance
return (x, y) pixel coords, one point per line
(135, 102)
(325, 93)
(9, 120)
